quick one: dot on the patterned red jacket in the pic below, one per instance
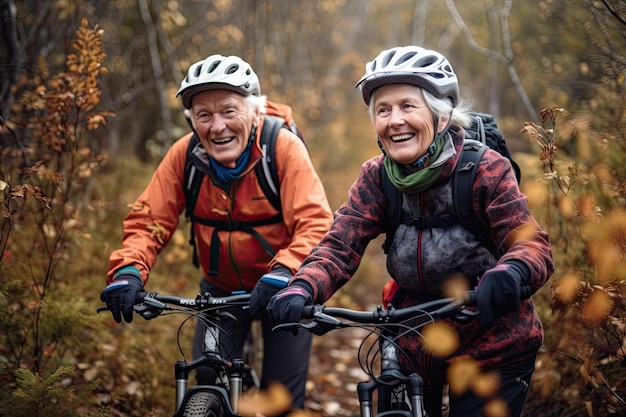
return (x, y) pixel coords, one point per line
(421, 260)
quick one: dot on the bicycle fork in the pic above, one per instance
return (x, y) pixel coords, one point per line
(393, 388)
(415, 391)
(235, 380)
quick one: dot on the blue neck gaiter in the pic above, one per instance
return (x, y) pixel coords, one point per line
(226, 175)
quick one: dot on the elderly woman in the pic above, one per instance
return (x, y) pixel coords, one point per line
(419, 118)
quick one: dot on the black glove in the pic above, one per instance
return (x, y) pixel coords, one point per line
(287, 305)
(268, 285)
(500, 290)
(120, 295)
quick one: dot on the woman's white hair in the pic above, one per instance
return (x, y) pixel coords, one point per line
(439, 107)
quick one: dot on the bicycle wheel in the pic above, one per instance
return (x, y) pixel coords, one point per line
(203, 404)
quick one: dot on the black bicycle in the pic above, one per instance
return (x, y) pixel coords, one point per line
(397, 394)
(234, 376)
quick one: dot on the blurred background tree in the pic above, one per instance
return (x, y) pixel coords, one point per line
(513, 58)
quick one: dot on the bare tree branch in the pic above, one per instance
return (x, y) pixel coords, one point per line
(506, 59)
(15, 53)
(614, 12)
(157, 69)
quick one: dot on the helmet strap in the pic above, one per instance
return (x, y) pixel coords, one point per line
(439, 135)
(422, 161)
(380, 145)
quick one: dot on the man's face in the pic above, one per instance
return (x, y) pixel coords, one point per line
(223, 121)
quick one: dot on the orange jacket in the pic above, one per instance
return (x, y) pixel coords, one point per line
(155, 216)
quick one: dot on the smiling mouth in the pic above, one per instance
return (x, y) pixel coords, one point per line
(221, 141)
(401, 138)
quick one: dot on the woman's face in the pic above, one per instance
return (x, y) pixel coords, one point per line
(403, 122)
(223, 122)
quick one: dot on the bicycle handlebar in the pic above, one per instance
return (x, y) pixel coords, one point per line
(150, 305)
(323, 319)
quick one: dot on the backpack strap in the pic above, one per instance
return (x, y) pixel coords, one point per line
(393, 211)
(266, 170)
(463, 185)
(192, 179)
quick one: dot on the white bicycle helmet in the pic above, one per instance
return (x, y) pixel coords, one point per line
(218, 72)
(411, 65)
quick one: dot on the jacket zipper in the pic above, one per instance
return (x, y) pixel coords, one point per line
(419, 250)
(231, 194)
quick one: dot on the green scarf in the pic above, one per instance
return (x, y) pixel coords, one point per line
(418, 181)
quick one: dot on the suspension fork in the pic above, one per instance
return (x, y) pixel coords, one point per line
(415, 388)
(181, 372)
(236, 383)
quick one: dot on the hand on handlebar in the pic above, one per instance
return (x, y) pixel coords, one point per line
(500, 290)
(266, 288)
(120, 295)
(287, 305)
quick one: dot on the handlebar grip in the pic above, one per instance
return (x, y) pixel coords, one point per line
(470, 295)
(140, 297)
(308, 312)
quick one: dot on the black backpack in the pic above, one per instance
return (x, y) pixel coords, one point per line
(268, 180)
(481, 135)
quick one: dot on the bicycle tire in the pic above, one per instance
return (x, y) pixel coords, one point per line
(203, 404)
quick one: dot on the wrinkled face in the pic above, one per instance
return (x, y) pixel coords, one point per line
(223, 121)
(403, 122)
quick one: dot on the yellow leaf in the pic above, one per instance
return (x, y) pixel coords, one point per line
(273, 401)
(441, 339)
(496, 408)
(597, 307)
(461, 373)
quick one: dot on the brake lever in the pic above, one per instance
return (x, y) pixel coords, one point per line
(466, 315)
(310, 326)
(319, 325)
(147, 312)
(150, 308)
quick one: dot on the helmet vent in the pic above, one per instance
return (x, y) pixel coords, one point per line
(213, 66)
(388, 58)
(425, 62)
(232, 69)
(405, 57)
